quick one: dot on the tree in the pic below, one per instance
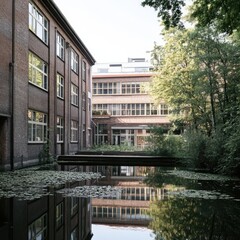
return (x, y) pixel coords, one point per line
(197, 75)
(223, 13)
(179, 83)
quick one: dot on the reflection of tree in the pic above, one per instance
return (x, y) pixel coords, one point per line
(185, 218)
(161, 177)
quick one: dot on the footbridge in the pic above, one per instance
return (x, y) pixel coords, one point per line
(117, 159)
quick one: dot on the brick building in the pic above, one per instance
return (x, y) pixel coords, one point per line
(123, 111)
(45, 90)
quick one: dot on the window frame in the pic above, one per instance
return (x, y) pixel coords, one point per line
(60, 46)
(38, 23)
(32, 234)
(133, 109)
(84, 101)
(74, 61)
(60, 86)
(84, 71)
(60, 129)
(59, 215)
(34, 126)
(34, 71)
(74, 95)
(74, 131)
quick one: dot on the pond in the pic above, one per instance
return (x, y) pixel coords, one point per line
(118, 203)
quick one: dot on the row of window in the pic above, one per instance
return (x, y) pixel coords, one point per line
(124, 213)
(131, 109)
(37, 128)
(119, 88)
(38, 229)
(38, 75)
(39, 25)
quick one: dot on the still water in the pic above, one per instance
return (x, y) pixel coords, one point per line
(102, 203)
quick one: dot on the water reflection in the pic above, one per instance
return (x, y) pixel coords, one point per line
(172, 204)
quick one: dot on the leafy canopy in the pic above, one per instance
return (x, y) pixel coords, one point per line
(223, 13)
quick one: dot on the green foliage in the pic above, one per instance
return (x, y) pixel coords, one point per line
(121, 148)
(202, 151)
(168, 10)
(198, 75)
(223, 14)
(162, 144)
(45, 155)
(189, 218)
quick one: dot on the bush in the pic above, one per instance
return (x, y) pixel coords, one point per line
(163, 144)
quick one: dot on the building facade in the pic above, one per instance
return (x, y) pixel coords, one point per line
(123, 111)
(45, 90)
(51, 217)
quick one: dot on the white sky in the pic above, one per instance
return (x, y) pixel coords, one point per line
(113, 30)
(104, 232)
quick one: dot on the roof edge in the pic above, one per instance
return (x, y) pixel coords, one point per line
(58, 15)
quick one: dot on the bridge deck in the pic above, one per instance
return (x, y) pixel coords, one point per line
(117, 160)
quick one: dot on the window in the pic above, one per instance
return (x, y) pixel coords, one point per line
(74, 131)
(84, 101)
(135, 109)
(38, 71)
(59, 215)
(38, 229)
(164, 109)
(60, 86)
(60, 46)
(38, 23)
(74, 205)
(37, 127)
(84, 71)
(74, 95)
(60, 129)
(74, 235)
(74, 61)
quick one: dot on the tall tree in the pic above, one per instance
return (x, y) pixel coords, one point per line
(178, 82)
(223, 13)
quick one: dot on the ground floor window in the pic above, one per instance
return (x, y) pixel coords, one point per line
(60, 129)
(38, 229)
(37, 126)
(74, 131)
(123, 137)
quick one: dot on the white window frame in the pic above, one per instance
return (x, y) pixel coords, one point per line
(60, 129)
(60, 86)
(133, 109)
(38, 228)
(59, 215)
(74, 131)
(74, 61)
(60, 46)
(37, 127)
(84, 101)
(74, 95)
(84, 71)
(38, 71)
(38, 23)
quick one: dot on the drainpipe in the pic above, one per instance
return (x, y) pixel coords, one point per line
(68, 122)
(11, 66)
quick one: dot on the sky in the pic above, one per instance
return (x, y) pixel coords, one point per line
(113, 30)
(104, 232)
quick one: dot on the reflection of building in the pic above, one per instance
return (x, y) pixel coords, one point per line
(131, 206)
(45, 97)
(53, 218)
(122, 109)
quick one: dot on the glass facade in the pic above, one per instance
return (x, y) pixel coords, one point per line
(134, 109)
